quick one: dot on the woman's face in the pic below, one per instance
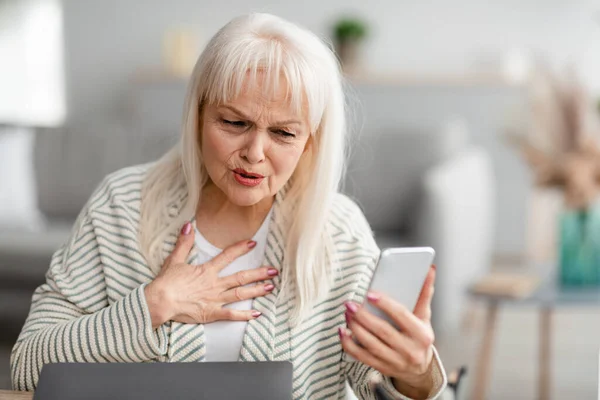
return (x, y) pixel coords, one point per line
(251, 145)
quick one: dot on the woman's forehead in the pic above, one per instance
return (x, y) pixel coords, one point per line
(257, 94)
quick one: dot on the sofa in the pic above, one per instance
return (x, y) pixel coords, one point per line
(429, 188)
(417, 185)
(67, 163)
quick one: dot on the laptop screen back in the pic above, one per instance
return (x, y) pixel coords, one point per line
(148, 381)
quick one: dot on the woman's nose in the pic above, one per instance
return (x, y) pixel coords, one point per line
(254, 151)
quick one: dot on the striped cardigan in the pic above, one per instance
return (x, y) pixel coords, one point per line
(92, 307)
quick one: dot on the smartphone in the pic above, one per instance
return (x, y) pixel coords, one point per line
(400, 273)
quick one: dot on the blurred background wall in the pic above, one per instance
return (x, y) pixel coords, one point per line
(108, 43)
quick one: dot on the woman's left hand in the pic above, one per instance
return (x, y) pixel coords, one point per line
(405, 355)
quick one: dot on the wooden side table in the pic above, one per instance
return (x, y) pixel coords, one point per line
(10, 395)
(548, 296)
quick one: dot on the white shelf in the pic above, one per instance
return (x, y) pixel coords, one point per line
(387, 78)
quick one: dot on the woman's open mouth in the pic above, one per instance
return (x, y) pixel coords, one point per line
(246, 178)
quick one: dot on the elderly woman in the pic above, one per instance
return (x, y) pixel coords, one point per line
(236, 245)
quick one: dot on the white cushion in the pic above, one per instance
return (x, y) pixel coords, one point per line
(18, 195)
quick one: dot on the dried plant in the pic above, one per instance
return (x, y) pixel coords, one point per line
(561, 142)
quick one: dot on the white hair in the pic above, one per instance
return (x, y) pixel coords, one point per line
(276, 48)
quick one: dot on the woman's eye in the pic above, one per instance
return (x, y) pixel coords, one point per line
(286, 134)
(239, 124)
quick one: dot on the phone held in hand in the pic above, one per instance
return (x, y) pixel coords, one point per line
(400, 273)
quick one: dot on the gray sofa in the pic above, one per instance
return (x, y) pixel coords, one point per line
(69, 163)
(429, 188)
(421, 186)
(416, 187)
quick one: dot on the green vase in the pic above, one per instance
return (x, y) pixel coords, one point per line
(580, 246)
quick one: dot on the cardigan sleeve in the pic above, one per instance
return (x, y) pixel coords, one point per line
(71, 320)
(360, 375)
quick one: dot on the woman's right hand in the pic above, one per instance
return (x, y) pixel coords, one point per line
(195, 294)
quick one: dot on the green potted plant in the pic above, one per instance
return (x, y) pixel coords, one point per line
(349, 33)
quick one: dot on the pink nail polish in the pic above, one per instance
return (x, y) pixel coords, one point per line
(269, 287)
(341, 332)
(186, 229)
(351, 307)
(272, 272)
(347, 316)
(256, 314)
(251, 244)
(372, 296)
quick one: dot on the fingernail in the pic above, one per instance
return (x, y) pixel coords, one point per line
(272, 272)
(269, 287)
(251, 244)
(351, 307)
(186, 229)
(434, 267)
(256, 314)
(347, 319)
(341, 332)
(372, 296)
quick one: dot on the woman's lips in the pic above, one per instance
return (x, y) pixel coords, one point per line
(247, 174)
(246, 178)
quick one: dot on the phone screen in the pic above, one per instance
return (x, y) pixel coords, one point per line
(400, 274)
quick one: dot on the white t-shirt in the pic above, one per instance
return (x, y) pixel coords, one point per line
(224, 338)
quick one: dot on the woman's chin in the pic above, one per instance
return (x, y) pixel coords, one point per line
(245, 197)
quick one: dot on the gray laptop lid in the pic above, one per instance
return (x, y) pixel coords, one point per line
(148, 381)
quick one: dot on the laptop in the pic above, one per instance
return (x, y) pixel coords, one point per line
(149, 381)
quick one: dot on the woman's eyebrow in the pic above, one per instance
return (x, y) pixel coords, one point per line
(235, 110)
(244, 116)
